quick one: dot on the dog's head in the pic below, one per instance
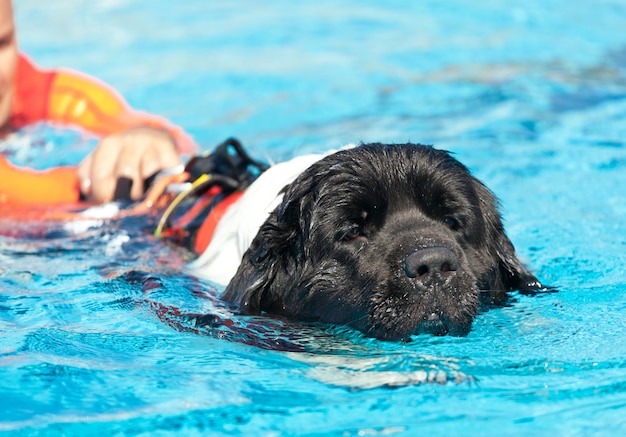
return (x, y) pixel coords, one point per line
(392, 240)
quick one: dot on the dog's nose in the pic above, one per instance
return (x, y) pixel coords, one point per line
(431, 261)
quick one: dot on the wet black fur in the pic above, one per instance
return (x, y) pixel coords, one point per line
(356, 233)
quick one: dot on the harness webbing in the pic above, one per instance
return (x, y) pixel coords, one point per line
(216, 180)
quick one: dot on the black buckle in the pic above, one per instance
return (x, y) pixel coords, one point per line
(229, 163)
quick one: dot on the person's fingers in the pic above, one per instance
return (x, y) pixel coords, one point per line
(103, 190)
(136, 190)
(83, 172)
(104, 168)
(127, 165)
(159, 158)
(159, 155)
(139, 159)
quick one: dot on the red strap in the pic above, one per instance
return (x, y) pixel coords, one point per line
(207, 229)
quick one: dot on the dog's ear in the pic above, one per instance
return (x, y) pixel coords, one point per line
(510, 273)
(513, 274)
(255, 273)
(264, 277)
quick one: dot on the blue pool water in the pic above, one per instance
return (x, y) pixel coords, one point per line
(97, 329)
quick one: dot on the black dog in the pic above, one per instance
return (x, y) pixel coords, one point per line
(392, 240)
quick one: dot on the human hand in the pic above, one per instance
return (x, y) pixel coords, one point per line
(136, 154)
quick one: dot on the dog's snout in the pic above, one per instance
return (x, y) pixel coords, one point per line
(430, 261)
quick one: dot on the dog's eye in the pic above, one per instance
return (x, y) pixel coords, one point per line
(354, 233)
(451, 222)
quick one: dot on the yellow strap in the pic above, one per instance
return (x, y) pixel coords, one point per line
(198, 183)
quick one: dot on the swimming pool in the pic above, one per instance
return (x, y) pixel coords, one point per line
(95, 333)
